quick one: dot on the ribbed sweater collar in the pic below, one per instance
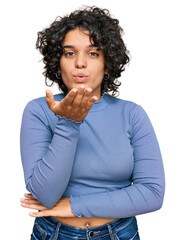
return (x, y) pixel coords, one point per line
(99, 105)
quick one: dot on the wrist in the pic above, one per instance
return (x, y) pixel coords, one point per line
(68, 119)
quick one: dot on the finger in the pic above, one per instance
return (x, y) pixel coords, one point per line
(50, 99)
(29, 195)
(91, 102)
(44, 213)
(70, 97)
(33, 206)
(24, 200)
(79, 96)
(86, 97)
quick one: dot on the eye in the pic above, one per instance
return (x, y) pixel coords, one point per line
(69, 54)
(94, 54)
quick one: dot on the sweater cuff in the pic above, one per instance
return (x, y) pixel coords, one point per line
(68, 119)
(75, 206)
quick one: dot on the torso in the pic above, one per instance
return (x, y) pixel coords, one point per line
(84, 181)
(84, 222)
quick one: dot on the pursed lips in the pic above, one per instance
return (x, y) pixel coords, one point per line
(80, 77)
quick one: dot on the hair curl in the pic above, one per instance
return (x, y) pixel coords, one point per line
(105, 33)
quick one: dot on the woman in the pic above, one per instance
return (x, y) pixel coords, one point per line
(91, 161)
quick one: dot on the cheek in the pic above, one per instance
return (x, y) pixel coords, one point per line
(65, 69)
(63, 66)
(100, 71)
(101, 66)
(98, 68)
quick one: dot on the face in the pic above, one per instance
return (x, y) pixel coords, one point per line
(81, 62)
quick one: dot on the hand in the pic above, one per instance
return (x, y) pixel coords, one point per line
(61, 209)
(75, 105)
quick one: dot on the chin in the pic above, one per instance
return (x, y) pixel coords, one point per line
(78, 85)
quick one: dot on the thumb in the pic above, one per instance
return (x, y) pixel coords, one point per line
(50, 99)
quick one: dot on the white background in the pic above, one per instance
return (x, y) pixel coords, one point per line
(155, 36)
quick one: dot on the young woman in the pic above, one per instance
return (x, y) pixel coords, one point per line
(91, 160)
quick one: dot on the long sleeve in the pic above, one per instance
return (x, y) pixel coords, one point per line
(47, 156)
(146, 192)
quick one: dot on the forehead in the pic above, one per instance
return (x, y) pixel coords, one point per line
(77, 37)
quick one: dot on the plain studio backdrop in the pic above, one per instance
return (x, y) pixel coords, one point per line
(154, 32)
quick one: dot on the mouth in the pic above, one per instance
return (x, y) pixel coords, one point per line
(80, 78)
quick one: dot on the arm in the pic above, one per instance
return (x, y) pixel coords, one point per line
(147, 192)
(61, 209)
(48, 157)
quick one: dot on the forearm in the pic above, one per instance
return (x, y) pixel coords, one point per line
(48, 160)
(123, 203)
(61, 209)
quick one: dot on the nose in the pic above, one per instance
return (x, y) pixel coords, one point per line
(81, 61)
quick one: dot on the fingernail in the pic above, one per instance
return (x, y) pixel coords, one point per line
(22, 199)
(31, 214)
(94, 99)
(89, 89)
(74, 89)
(48, 92)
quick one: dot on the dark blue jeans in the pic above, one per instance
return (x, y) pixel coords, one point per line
(48, 228)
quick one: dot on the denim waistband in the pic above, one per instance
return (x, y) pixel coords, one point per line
(89, 233)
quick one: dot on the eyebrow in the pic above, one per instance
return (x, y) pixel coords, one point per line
(71, 46)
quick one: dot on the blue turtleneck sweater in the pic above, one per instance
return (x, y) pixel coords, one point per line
(109, 164)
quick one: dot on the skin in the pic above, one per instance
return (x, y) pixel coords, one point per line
(80, 56)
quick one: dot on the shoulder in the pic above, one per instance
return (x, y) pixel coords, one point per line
(125, 105)
(130, 110)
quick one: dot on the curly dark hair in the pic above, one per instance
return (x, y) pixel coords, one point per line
(104, 32)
